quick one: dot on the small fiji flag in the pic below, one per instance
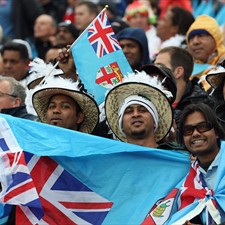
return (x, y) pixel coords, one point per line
(98, 55)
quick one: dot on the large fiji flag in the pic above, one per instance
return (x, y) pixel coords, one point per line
(118, 182)
(98, 57)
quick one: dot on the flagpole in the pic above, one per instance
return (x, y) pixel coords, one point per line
(68, 50)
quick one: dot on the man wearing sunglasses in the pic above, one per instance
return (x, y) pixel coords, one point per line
(201, 134)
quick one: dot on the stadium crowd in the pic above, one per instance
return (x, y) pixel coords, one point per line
(174, 101)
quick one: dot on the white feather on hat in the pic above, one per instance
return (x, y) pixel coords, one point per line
(39, 69)
(143, 77)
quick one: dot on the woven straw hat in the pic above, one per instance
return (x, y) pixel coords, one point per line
(57, 85)
(216, 76)
(139, 85)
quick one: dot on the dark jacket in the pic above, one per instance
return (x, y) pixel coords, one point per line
(194, 94)
(103, 130)
(171, 146)
(42, 47)
(138, 35)
(24, 14)
(20, 112)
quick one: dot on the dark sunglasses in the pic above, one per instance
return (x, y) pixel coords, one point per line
(200, 127)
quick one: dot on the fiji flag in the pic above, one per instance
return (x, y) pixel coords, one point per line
(98, 57)
(89, 179)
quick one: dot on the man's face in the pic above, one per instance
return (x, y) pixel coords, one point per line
(165, 28)
(201, 47)
(139, 20)
(203, 145)
(137, 122)
(13, 65)
(83, 17)
(6, 101)
(64, 36)
(132, 51)
(62, 112)
(44, 27)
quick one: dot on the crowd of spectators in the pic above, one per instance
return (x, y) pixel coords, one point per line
(180, 44)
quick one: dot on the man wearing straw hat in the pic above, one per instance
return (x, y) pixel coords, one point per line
(138, 110)
(62, 102)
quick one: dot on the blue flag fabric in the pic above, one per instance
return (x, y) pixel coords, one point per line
(200, 68)
(98, 57)
(132, 177)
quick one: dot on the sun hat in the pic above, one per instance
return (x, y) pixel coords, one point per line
(38, 70)
(160, 69)
(58, 85)
(150, 88)
(215, 77)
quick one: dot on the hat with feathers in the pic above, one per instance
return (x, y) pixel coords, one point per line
(38, 70)
(60, 86)
(140, 84)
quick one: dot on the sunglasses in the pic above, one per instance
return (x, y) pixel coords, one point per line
(200, 127)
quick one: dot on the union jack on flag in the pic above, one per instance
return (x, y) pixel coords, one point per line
(17, 185)
(65, 200)
(101, 36)
(42, 190)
